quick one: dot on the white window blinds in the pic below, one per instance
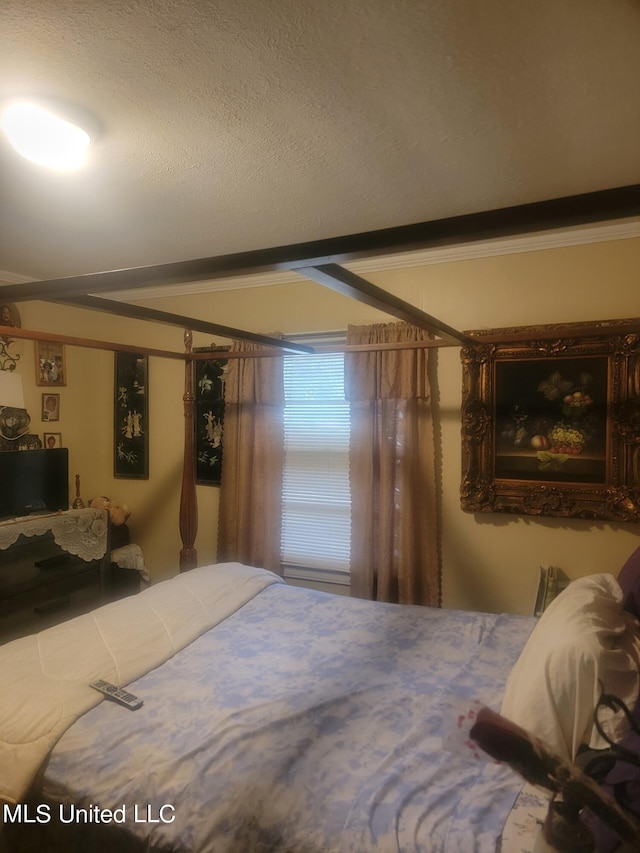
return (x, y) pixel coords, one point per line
(316, 526)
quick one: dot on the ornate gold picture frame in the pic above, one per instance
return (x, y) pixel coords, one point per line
(551, 421)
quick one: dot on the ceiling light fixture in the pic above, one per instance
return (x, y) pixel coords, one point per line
(43, 137)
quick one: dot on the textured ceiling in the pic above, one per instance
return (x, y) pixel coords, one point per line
(243, 124)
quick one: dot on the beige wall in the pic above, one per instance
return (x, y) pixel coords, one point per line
(491, 561)
(86, 425)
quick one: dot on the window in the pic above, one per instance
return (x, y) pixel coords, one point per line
(316, 525)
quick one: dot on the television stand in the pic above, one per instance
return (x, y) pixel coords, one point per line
(52, 567)
(30, 512)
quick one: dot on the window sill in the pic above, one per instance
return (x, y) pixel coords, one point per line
(312, 575)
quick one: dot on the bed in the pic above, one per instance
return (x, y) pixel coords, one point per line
(293, 720)
(275, 718)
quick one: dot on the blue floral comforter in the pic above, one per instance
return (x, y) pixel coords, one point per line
(304, 722)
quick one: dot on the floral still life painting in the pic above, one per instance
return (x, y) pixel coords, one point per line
(551, 419)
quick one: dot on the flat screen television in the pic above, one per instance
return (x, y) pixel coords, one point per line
(33, 481)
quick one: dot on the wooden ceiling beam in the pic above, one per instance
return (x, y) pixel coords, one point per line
(137, 312)
(571, 211)
(86, 343)
(349, 284)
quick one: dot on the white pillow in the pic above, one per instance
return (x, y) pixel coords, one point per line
(583, 638)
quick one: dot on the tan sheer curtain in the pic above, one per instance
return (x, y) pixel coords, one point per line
(394, 536)
(250, 515)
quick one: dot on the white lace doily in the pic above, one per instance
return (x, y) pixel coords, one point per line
(82, 532)
(130, 557)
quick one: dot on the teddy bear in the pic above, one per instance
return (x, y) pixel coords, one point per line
(118, 512)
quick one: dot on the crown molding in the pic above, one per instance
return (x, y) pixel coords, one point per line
(610, 231)
(620, 230)
(616, 230)
(13, 278)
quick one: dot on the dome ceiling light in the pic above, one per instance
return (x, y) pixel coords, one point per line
(44, 137)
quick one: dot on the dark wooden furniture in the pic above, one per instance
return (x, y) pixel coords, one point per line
(42, 582)
(122, 581)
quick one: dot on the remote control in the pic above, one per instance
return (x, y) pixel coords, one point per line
(118, 694)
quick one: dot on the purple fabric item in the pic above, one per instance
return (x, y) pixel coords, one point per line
(629, 580)
(622, 783)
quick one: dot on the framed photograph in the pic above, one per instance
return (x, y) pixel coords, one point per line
(9, 355)
(131, 417)
(51, 407)
(52, 439)
(9, 315)
(209, 419)
(551, 425)
(50, 364)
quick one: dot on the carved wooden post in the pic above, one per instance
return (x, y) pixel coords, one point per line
(188, 502)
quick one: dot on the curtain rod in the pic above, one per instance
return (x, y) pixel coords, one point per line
(325, 349)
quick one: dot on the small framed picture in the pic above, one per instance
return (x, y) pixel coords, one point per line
(52, 439)
(9, 316)
(50, 364)
(51, 407)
